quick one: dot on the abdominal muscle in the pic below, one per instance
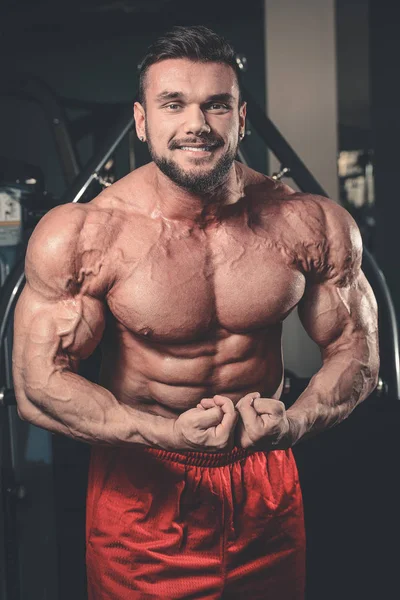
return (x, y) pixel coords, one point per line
(167, 379)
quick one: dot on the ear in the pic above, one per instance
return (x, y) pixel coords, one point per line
(140, 119)
(242, 117)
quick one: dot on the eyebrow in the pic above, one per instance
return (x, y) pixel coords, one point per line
(170, 96)
(221, 98)
(165, 96)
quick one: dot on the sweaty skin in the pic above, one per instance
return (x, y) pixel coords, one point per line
(185, 310)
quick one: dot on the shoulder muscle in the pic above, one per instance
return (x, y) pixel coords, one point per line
(328, 242)
(66, 253)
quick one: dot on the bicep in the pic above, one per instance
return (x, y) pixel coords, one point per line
(52, 336)
(333, 315)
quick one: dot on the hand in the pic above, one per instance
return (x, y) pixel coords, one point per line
(263, 421)
(206, 428)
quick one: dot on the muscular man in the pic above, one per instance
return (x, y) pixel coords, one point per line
(184, 271)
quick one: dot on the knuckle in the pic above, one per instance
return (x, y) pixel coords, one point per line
(280, 408)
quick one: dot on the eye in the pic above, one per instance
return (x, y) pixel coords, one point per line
(218, 106)
(173, 106)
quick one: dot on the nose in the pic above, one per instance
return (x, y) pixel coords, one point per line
(196, 123)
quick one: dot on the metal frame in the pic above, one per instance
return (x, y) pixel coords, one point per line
(10, 589)
(92, 170)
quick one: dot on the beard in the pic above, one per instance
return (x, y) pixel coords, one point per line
(195, 182)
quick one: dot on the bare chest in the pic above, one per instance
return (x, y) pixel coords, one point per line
(182, 287)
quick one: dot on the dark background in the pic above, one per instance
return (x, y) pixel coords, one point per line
(88, 52)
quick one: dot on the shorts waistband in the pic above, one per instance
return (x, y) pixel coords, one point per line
(201, 459)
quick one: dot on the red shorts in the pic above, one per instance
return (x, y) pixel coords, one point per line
(165, 525)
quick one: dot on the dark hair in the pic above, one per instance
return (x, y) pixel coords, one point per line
(197, 43)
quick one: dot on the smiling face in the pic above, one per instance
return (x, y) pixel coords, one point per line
(192, 121)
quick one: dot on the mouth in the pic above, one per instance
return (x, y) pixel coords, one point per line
(199, 152)
(198, 148)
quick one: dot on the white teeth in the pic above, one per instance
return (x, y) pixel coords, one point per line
(192, 149)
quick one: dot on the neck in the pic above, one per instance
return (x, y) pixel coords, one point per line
(176, 203)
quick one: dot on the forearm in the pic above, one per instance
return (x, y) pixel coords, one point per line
(333, 392)
(75, 407)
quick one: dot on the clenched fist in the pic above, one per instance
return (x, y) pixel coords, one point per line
(206, 429)
(263, 422)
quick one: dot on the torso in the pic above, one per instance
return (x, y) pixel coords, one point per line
(194, 311)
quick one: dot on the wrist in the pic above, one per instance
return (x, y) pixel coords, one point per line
(167, 437)
(297, 425)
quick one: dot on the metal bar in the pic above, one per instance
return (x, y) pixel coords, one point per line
(392, 333)
(274, 140)
(8, 298)
(97, 162)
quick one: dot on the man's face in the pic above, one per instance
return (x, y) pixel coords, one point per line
(191, 121)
